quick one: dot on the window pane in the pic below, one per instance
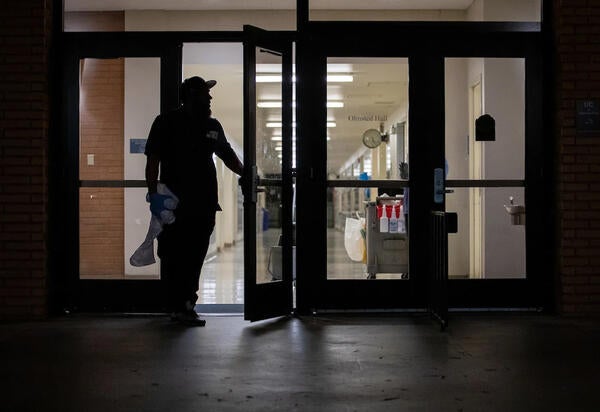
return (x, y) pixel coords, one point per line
(269, 164)
(490, 243)
(118, 101)
(367, 139)
(113, 223)
(485, 86)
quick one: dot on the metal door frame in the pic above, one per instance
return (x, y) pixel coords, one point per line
(430, 43)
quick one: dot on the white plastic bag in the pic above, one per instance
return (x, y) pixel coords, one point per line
(353, 239)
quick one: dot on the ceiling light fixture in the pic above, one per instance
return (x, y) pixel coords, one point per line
(274, 104)
(277, 125)
(331, 78)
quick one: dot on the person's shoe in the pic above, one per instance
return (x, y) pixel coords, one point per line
(188, 318)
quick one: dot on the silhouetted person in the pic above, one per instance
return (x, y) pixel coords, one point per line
(182, 142)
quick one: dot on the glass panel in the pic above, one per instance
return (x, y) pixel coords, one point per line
(137, 220)
(269, 164)
(490, 243)
(367, 139)
(104, 249)
(485, 86)
(222, 279)
(462, 10)
(118, 101)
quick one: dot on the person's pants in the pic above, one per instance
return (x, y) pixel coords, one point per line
(182, 247)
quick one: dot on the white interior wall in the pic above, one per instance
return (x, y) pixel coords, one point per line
(142, 105)
(512, 10)
(219, 20)
(456, 131)
(505, 10)
(165, 20)
(504, 99)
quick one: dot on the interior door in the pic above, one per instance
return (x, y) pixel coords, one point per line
(267, 183)
(114, 86)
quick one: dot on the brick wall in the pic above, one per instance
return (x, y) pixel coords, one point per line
(577, 36)
(101, 210)
(25, 35)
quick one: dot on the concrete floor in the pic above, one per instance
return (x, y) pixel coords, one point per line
(483, 362)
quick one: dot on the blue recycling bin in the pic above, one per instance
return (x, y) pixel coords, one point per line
(265, 222)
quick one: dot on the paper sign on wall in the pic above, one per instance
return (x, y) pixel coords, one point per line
(137, 145)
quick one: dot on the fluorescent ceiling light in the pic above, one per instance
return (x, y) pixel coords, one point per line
(274, 104)
(278, 124)
(274, 68)
(339, 78)
(271, 78)
(339, 68)
(269, 104)
(331, 78)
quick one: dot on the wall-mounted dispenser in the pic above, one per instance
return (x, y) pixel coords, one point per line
(516, 212)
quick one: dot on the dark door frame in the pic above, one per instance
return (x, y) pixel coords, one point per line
(426, 47)
(70, 292)
(314, 40)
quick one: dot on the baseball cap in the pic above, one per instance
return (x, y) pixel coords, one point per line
(196, 83)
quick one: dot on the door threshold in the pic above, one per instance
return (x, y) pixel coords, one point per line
(525, 309)
(368, 311)
(215, 309)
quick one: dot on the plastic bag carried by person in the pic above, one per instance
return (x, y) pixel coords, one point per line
(354, 241)
(144, 254)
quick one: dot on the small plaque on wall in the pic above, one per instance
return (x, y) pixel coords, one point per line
(587, 119)
(137, 145)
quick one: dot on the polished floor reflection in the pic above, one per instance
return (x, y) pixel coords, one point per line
(222, 279)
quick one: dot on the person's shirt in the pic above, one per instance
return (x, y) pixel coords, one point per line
(185, 148)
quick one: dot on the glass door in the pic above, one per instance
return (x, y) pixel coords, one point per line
(114, 89)
(386, 127)
(363, 174)
(492, 152)
(267, 183)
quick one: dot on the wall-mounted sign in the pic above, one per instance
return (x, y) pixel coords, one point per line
(367, 117)
(587, 119)
(137, 145)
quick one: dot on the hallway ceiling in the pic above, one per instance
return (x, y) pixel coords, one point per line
(95, 5)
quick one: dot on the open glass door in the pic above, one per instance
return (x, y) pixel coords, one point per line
(268, 226)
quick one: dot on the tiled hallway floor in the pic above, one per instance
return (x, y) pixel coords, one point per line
(487, 362)
(222, 279)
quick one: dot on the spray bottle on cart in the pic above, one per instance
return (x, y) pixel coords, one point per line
(383, 219)
(401, 220)
(393, 219)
